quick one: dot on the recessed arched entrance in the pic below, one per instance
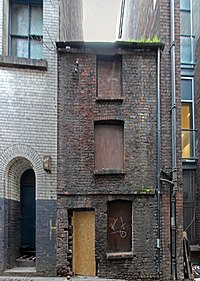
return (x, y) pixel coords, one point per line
(20, 210)
(27, 200)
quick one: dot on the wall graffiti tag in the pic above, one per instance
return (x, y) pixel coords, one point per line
(119, 226)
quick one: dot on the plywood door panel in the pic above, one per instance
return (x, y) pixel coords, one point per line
(83, 261)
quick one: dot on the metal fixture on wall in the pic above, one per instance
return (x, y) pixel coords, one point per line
(47, 163)
(158, 161)
(173, 144)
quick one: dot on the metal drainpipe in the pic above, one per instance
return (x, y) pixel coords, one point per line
(174, 168)
(158, 159)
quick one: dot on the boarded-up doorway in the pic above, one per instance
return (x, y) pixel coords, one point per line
(83, 261)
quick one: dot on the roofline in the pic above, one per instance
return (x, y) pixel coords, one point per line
(109, 45)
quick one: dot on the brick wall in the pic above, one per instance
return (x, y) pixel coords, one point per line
(78, 185)
(159, 24)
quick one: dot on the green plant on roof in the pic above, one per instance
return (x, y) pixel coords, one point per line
(143, 40)
(144, 190)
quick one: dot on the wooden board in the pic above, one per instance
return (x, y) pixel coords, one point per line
(83, 258)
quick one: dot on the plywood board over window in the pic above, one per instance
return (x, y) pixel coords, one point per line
(109, 77)
(109, 146)
(119, 228)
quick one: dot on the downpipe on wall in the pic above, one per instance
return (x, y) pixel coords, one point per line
(158, 162)
(173, 144)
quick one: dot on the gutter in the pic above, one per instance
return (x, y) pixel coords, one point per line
(158, 162)
(173, 145)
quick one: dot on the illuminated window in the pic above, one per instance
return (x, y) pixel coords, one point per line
(188, 132)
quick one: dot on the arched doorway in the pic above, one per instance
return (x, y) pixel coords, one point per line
(27, 202)
(20, 209)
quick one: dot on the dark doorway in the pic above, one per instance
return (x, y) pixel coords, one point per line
(28, 211)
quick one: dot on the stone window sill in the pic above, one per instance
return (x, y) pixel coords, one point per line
(121, 255)
(109, 172)
(195, 248)
(113, 99)
(15, 62)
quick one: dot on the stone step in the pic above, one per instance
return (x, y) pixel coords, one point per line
(22, 271)
(25, 261)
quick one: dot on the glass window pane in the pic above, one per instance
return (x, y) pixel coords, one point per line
(36, 27)
(19, 47)
(19, 19)
(187, 144)
(186, 89)
(186, 49)
(185, 23)
(36, 49)
(186, 109)
(188, 187)
(185, 4)
(189, 204)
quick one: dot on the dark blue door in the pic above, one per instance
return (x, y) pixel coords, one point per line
(28, 210)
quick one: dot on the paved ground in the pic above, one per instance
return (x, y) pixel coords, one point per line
(81, 278)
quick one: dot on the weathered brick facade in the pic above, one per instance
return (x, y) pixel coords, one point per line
(80, 186)
(157, 22)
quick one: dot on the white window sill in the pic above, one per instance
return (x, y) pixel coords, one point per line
(15, 62)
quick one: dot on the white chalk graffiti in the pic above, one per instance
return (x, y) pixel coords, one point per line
(121, 229)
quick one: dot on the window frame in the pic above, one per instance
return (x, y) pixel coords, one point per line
(107, 170)
(29, 37)
(192, 128)
(189, 204)
(108, 58)
(189, 36)
(114, 249)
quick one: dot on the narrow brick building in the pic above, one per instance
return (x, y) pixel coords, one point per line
(149, 20)
(28, 135)
(145, 19)
(108, 158)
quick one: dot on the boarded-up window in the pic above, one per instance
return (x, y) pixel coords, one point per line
(109, 77)
(119, 227)
(109, 146)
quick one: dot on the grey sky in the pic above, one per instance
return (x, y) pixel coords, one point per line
(99, 19)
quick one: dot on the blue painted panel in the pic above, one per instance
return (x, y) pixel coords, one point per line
(28, 217)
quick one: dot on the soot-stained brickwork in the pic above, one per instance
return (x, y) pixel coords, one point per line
(81, 186)
(137, 26)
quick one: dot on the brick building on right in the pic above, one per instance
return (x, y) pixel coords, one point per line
(177, 25)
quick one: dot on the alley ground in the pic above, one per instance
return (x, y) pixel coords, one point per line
(81, 278)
